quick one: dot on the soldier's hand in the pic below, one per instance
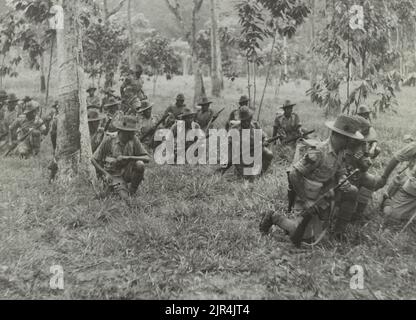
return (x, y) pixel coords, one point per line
(347, 186)
(108, 179)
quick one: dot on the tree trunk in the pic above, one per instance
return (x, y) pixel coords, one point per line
(199, 89)
(73, 143)
(42, 73)
(285, 58)
(49, 73)
(131, 62)
(216, 61)
(314, 70)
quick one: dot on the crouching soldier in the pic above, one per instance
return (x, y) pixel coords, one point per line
(246, 123)
(121, 158)
(313, 180)
(400, 201)
(29, 129)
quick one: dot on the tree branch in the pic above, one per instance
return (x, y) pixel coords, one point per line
(175, 9)
(198, 5)
(116, 9)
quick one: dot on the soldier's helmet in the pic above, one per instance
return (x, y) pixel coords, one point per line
(205, 101)
(347, 126)
(363, 110)
(127, 123)
(91, 88)
(3, 95)
(31, 107)
(112, 102)
(180, 97)
(288, 104)
(243, 100)
(245, 113)
(12, 98)
(366, 129)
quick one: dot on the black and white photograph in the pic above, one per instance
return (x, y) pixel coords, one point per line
(220, 151)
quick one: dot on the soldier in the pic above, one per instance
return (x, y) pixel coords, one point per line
(400, 202)
(10, 115)
(287, 124)
(29, 131)
(189, 118)
(108, 95)
(364, 111)
(113, 113)
(246, 123)
(147, 123)
(361, 159)
(313, 176)
(204, 116)
(123, 158)
(174, 111)
(132, 92)
(96, 132)
(234, 115)
(92, 100)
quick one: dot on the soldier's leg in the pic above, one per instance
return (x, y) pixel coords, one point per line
(134, 174)
(35, 141)
(119, 186)
(364, 197)
(267, 158)
(347, 207)
(24, 149)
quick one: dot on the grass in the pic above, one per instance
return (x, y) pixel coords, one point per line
(191, 234)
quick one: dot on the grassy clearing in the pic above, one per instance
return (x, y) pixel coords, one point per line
(190, 233)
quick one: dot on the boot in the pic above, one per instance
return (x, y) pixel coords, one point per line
(340, 229)
(266, 223)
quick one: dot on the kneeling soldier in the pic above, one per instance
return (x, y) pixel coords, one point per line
(401, 198)
(29, 131)
(246, 123)
(123, 158)
(313, 180)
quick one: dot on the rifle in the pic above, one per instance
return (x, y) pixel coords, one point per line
(213, 119)
(152, 131)
(269, 141)
(144, 159)
(107, 125)
(308, 213)
(302, 136)
(22, 140)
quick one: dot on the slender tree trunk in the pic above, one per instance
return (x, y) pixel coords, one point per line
(73, 143)
(49, 73)
(131, 48)
(314, 69)
(285, 58)
(42, 73)
(199, 89)
(216, 69)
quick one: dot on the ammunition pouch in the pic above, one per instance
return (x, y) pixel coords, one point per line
(312, 189)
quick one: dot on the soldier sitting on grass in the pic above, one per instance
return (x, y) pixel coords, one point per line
(122, 158)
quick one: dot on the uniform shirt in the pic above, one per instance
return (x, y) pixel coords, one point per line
(97, 138)
(132, 87)
(114, 118)
(9, 118)
(93, 101)
(234, 117)
(287, 127)
(322, 164)
(173, 111)
(203, 118)
(408, 154)
(111, 147)
(23, 126)
(147, 124)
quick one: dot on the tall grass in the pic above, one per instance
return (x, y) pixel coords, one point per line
(189, 232)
